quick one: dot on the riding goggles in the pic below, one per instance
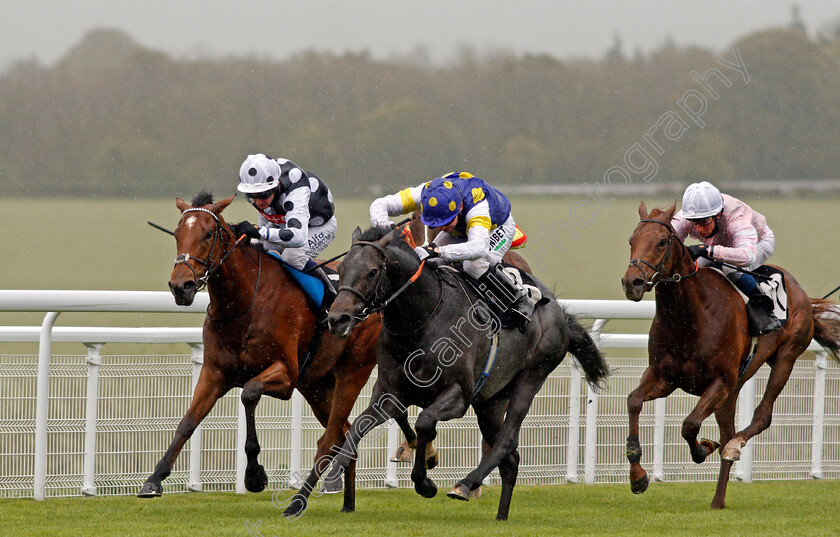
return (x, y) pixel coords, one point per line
(260, 195)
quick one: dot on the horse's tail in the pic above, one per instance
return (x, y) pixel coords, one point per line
(588, 355)
(827, 325)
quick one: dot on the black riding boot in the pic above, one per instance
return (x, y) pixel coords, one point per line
(329, 290)
(507, 294)
(760, 314)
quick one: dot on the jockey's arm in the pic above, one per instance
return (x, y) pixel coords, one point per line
(742, 253)
(296, 232)
(403, 202)
(478, 236)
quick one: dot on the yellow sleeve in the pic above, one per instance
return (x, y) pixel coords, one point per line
(408, 202)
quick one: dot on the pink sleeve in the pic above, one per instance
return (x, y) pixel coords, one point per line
(741, 234)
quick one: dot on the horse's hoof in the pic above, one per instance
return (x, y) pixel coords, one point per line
(150, 490)
(296, 507)
(432, 457)
(460, 492)
(256, 480)
(403, 454)
(732, 451)
(426, 488)
(640, 485)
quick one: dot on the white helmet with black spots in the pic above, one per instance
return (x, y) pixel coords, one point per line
(701, 200)
(258, 174)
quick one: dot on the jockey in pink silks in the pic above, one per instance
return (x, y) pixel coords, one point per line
(733, 233)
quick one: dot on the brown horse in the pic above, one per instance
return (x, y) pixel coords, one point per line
(257, 333)
(699, 341)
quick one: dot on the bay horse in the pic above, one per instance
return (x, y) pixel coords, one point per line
(257, 333)
(699, 341)
(432, 353)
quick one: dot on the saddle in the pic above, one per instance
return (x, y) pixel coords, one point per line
(771, 288)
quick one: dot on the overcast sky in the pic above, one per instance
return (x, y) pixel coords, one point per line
(46, 29)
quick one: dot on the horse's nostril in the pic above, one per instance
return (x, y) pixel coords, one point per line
(638, 282)
(188, 285)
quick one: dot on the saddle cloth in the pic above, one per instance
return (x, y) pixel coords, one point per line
(311, 285)
(771, 284)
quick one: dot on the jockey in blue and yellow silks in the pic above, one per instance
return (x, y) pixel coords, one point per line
(475, 226)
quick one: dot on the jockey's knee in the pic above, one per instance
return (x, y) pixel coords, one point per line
(476, 267)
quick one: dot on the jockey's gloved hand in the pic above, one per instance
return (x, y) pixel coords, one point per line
(247, 228)
(700, 250)
(427, 252)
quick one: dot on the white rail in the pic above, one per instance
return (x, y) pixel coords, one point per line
(55, 302)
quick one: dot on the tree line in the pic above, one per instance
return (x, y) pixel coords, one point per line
(115, 119)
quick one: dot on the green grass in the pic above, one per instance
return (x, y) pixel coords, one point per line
(801, 508)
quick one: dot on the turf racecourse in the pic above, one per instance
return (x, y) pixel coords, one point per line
(800, 508)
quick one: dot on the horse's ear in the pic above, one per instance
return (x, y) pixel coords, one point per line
(669, 212)
(220, 205)
(643, 214)
(181, 204)
(357, 234)
(418, 230)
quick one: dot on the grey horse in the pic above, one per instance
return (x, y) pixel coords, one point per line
(433, 350)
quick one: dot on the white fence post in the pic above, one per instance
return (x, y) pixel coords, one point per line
(573, 447)
(393, 443)
(591, 441)
(589, 453)
(820, 365)
(42, 406)
(241, 459)
(194, 484)
(659, 439)
(746, 407)
(93, 361)
(295, 477)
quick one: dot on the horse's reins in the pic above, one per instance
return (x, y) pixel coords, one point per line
(211, 265)
(369, 301)
(655, 278)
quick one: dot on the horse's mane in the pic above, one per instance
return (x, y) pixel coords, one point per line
(202, 198)
(374, 234)
(656, 212)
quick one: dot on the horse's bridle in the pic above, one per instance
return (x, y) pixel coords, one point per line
(656, 278)
(370, 301)
(209, 263)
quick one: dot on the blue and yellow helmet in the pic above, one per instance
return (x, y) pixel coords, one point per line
(440, 202)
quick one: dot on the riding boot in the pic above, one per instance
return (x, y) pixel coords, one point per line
(760, 314)
(329, 290)
(507, 295)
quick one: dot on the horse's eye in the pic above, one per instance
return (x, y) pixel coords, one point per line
(662, 243)
(208, 235)
(372, 272)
